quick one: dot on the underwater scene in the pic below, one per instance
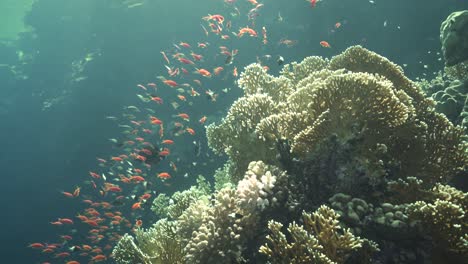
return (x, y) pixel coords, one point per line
(234, 131)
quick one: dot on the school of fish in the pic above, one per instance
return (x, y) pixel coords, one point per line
(116, 194)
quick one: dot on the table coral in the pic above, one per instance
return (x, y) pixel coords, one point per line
(355, 94)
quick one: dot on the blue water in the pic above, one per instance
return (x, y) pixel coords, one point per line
(45, 150)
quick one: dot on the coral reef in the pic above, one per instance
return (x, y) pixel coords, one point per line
(172, 208)
(157, 245)
(207, 229)
(357, 95)
(450, 92)
(320, 240)
(233, 219)
(444, 217)
(454, 37)
(351, 138)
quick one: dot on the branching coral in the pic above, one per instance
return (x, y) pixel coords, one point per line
(319, 240)
(157, 245)
(161, 242)
(232, 220)
(127, 252)
(172, 208)
(444, 217)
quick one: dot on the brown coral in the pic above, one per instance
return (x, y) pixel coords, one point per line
(319, 240)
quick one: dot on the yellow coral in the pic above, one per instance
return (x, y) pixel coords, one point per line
(319, 240)
(357, 94)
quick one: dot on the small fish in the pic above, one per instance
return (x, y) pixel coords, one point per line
(143, 98)
(228, 60)
(325, 44)
(164, 175)
(280, 60)
(132, 107)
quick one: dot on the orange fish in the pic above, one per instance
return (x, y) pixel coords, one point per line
(196, 56)
(157, 99)
(136, 205)
(185, 61)
(202, 120)
(202, 45)
(138, 223)
(337, 25)
(190, 131)
(168, 142)
(66, 221)
(137, 178)
(118, 159)
(181, 97)
(184, 44)
(94, 175)
(145, 196)
(217, 18)
(36, 245)
(246, 30)
(155, 120)
(218, 70)
(62, 255)
(325, 44)
(98, 258)
(170, 83)
(114, 189)
(164, 175)
(164, 152)
(184, 116)
(67, 194)
(204, 72)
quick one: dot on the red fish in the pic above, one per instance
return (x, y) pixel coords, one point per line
(190, 131)
(36, 245)
(136, 205)
(184, 116)
(325, 44)
(164, 175)
(204, 72)
(170, 83)
(185, 45)
(167, 142)
(94, 175)
(185, 61)
(202, 120)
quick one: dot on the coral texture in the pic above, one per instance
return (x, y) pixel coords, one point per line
(319, 240)
(454, 37)
(357, 94)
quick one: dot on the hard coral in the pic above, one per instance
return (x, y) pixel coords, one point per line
(319, 240)
(357, 94)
